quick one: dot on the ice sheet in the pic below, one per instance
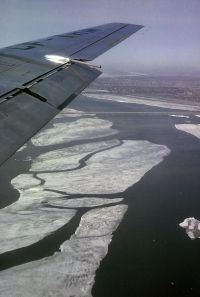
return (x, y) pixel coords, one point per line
(68, 158)
(30, 211)
(84, 128)
(28, 226)
(110, 171)
(179, 116)
(73, 113)
(192, 227)
(49, 200)
(143, 100)
(193, 129)
(70, 272)
(83, 202)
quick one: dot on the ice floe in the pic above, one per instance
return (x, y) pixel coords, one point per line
(110, 171)
(143, 100)
(100, 222)
(28, 226)
(193, 129)
(83, 202)
(179, 116)
(30, 208)
(192, 227)
(80, 129)
(22, 148)
(52, 192)
(68, 158)
(70, 272)
(95, 90)
(73, 113)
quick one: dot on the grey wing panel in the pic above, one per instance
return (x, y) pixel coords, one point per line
(20, 118)
(27, 111)
(99, 47)
(64, 85)
(17, 77)
(22, 63)
(33, 88)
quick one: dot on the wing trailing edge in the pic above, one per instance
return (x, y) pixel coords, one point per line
(33, 89)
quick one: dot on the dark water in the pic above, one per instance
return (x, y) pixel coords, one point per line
(150, 255)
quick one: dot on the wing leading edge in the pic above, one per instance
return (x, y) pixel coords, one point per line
(33, 89)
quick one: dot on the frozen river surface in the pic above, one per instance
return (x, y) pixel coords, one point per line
(95, 202)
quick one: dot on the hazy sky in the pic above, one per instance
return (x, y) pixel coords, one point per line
(169, 43)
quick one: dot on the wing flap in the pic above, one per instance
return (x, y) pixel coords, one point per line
(27, 111)
(61, 86)
(34, 88)
(21, 117)
(13, 78)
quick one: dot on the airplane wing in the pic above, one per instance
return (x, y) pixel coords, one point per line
(39, 78)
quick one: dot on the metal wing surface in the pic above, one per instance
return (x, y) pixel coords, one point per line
(37, 79)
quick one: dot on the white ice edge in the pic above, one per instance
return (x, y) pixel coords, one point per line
(112, 171)
(116, 169)
(70, 112)
(22, 148)
(84, 128)
(71, 272)
(29, 207)
(68, 158)
(88, 90)
(193, 129)
(83, 202)
(192, 227)
(179, 116)
(142, 100)
(106, 172)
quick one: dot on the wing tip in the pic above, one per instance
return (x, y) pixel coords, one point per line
(126, 24)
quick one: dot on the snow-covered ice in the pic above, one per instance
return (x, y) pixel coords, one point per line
(83, 202)
(73, 113)
(193, 129)
(179, 116)
(84, 128)
(192, 227)
(68, 158)
(143, 100)
(120, 166)
(25, 227)
(48, 201)
(70, 272)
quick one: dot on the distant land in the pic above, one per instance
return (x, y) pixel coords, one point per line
(173, 88)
